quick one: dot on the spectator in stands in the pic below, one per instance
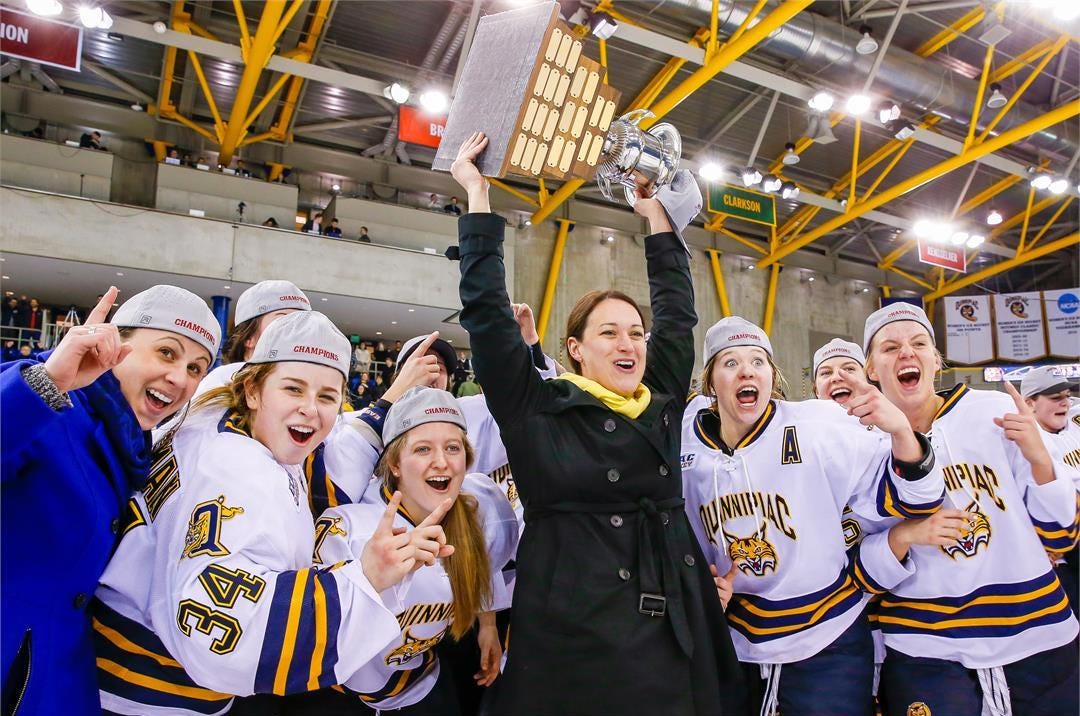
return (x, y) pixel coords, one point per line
(25, 351)
(380, 352)
(452, 207)
(364, 238)
(173, 153)
(33, 318)
(361, 358)
(314, 224)
(380, 387)
(241, 169)
(334, 230)
(12, 317)
(387, 369)
(362, 396)
(434, 203)
(461, 372)
(201, 160)
(397, 348)
(368, 381)
(271, 222)
(91, 140)
(9, 352)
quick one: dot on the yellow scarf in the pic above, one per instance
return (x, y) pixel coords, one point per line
(630, 407)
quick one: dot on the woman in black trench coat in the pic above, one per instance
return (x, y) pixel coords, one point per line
(615, 611)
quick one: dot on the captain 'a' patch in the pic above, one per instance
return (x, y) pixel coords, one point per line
(754, 554)
(789, 448)
(976, 534)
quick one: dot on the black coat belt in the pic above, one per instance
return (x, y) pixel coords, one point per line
(661, 587)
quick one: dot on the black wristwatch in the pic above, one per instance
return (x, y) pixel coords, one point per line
(916, 470)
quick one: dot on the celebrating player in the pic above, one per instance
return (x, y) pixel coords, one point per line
(75, 441)
(212, 591)
(425, 459)
(982, 621)
(766, 483)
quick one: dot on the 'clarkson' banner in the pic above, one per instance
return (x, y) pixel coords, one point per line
(1019, 326)
(1063, 321)
(742, 203)
(969, 332)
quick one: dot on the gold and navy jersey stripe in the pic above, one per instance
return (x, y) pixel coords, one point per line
(992, 611)
(860, 574)
(230, 423)
(889, 503)
(952, 397)
(1057, 537)
(401, 680)
(707, 436)
(387, 496)
(323, 493)
(133, 664)
(300, 650)
(761, 620)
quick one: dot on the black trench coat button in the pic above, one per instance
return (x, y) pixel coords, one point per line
(664, 471)
(609, 425)
(613, 475)
(80, 601)
(665, 517)
(616, 520)
(667, 420)
(115, 526)
(624, 574)
(689, 559)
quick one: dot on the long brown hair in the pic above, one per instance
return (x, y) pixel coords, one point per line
(579, 316)
(469, 567)
(236, 347)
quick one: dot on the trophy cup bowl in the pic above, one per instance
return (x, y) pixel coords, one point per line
(633, 157)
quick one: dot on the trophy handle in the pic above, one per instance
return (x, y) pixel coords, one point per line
(636, 115)
(672, 142)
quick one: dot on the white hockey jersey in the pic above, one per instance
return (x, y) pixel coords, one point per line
(992, 598)
(407, 666)
(214, 572)
(1064, 447)
(775, 507)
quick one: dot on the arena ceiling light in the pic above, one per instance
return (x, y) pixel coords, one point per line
(1039, 179)
(603, 25)
(866, 45)
(396, 92)
(790, 156)
(888, 112)
(994, 217)
(858, 104)
(94, 17)
(750, 176)
(1059, 185)
(45, 8)
(789, 190)
(997, 98)
(822, 101)
(771, 183)
(959, 238)
(710, 171)
(434, 101)
(975, 240)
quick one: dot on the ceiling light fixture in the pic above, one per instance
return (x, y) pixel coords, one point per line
(45, 8)
(821, 101)
(1039, 179)
(996, 98)
(901, 130)
(866, 45)
(434, 101)
(788, 190)
(857, 104)
(94, 17)
(397, 92)
(710, 171)
(603, 25)
(771, 183)
(922, 228)
(959, 238)
(790, 156)
(888, 112)
(994, 217)
(750, 176)
(160, 27)
(975, 240)
(136, 106)
(1058, 185)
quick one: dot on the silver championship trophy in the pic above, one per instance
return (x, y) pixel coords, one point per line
(633, 157)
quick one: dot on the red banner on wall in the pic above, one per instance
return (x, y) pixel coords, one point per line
(418, 127)
(34, 38)
(950, 257)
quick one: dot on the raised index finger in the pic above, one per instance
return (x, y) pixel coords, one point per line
(101, 310)
(437, 514)
(1021, 406)
(422, 349)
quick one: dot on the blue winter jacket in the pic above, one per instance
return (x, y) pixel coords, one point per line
(65, 477)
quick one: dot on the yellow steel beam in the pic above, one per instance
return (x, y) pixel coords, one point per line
(553, 277)
(714, 41)
(1027, 220)
(950, 33)
(854, 173)
(276, 170)
(197, 128)
(735, 237)
(302, 53)
(754, 12)
(801, 145)
(288, 17)
(770, 299)
(913, 279)
(1020, 259)
(886, 290)
(603, 52)
(983, 79)
(262, 48)
(245, 33)
(561, 194)
(541, 190)
(1056, 116)
(201, 31)
(219, 126)
(1047, 226)
(731, 52)
(667, 73)
(1050, 54)
(908, 144)
(513, 192)
(1022, 60)
(161, 149)
(266, 99)
(718, 279)
(178, 19)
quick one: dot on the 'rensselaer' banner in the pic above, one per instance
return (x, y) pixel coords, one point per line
(1063, 321)
(969, 332)
(1018, 319)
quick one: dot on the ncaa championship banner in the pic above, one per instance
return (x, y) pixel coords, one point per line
(1019, 323)
(969, 332)
(1063, 321)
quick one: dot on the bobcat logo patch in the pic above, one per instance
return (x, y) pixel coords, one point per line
(918, 709)
(204, 529)
(411, 648)
(511, 492)
(977, 533)
(754, 554)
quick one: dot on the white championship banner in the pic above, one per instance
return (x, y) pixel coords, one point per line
(1018, 320)
(969, 333)
(1063, 321)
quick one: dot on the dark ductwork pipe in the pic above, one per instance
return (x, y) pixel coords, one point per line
(826, 49)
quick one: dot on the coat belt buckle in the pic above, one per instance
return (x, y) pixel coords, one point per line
(652, 605)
